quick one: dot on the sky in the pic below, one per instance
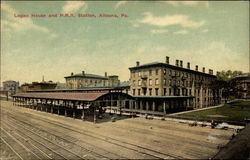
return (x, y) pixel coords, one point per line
(212, 34)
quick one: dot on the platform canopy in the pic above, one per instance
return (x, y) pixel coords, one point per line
(89, 96)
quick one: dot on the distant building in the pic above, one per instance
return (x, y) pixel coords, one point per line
(60, 85)
(82, 80)
(37, 86)
(11, 86)
(161, 86)
(243, 86)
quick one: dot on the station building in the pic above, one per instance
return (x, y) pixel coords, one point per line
(159, 87)
(82, 80)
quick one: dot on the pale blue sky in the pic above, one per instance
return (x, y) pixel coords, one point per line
(210, 34)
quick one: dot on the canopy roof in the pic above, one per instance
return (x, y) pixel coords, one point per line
(92, 96)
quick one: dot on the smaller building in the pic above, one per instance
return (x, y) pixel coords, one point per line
(82, 80)
(11, 86)
(242, 83)
(38, 86)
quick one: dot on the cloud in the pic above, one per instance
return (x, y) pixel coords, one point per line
(204, 31)
(188, 3)
(158, 31)
(168, 20)
(10, 23)
(181, 32)
(215, 55)
(120, 3)
(73, 6)
(136, 25)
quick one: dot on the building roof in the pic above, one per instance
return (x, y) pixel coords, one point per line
(160, 64)
(10, 81)
(62, 96)
(96, 89)
(244, 75)
(87, 76)
(74, 96)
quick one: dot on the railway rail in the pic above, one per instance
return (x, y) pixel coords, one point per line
(88, 143)
(152, 154)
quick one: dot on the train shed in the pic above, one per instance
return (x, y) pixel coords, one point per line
(74, 103)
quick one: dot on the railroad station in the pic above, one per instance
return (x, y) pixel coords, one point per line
(75, 104)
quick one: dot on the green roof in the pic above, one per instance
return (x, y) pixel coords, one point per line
(87, 76)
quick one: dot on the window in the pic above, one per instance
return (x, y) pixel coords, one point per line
(133, 82)
(150, 91)
(150, 82)
(133, 92)
(170, 91)
(144, 90)
(156, 71)
(139, 82)
(156, 81)
(139, 92)
(150, 72)
(164, 91)
(156, 91)
(164, 81)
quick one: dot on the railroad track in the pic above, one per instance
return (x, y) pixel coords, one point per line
(139, 149)
(66, 142)
(40, 149)
(20, 150)
(60, 151)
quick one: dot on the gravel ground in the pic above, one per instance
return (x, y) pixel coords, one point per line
(133, 138)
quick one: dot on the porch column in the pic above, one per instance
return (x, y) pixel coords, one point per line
(52, 106)
(130, 104)
(153, 106)
(141, 105)
(94, 114)
(164, 107)
(147, 105)
(83, 112)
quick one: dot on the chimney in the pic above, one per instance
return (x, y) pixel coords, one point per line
(167, 59)
(72, 73)
(210, 71)
(188, 65)
(137, 63)
(177, 63)
(106, 74)
(181, 64)
(196, 67)
(203, 69)
(83, 72)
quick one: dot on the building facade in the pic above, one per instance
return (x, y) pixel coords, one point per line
(11, 86)
(37, 86)
(243, 86)
(82, 80)
(166, 81)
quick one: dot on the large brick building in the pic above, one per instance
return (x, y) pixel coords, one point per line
(35, 86)
(11, 86)
(243, 86)
(161, 86)
(82, 80)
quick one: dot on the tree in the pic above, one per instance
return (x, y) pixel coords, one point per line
(225, 81)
